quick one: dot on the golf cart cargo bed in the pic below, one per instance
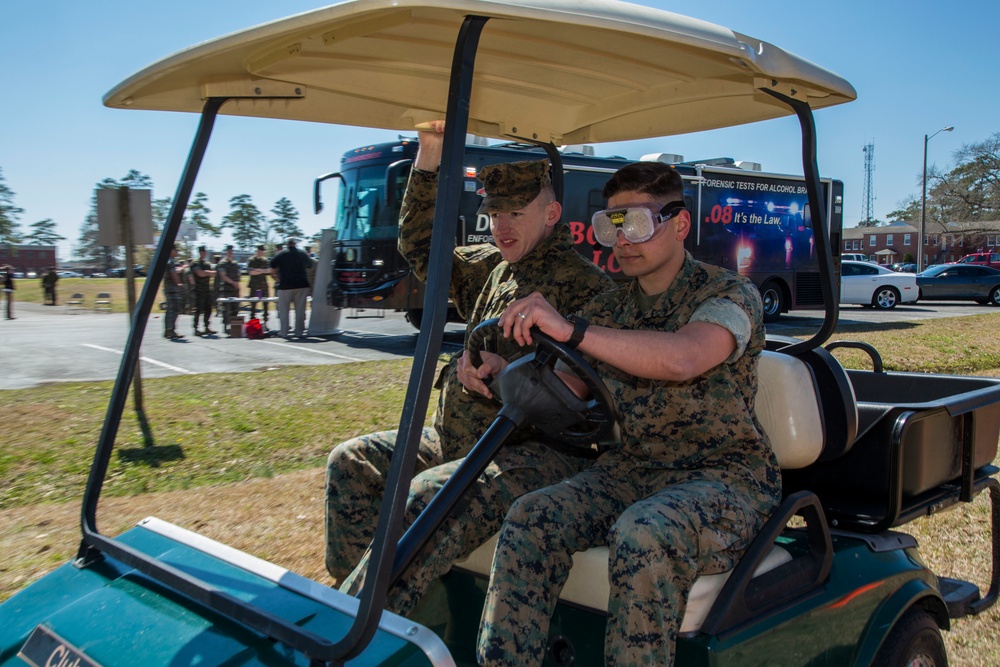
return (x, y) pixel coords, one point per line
(928, 449)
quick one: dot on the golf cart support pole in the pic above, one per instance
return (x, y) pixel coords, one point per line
(130, 356)
(93, 543)
(821, 226)
(450, 184)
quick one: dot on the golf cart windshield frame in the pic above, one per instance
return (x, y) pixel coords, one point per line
(372, 599)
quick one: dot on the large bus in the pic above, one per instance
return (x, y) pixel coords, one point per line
(743, 219)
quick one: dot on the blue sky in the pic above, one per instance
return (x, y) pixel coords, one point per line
(917, 67)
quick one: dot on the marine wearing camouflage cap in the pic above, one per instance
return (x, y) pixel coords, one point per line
(513, 185)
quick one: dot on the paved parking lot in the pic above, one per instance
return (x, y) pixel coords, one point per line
(46, 344)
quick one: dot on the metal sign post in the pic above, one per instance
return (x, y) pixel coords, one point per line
(125, 218)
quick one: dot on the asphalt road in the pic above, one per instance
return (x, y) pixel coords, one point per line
(51, 344)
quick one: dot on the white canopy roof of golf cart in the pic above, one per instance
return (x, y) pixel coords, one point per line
(566, 71)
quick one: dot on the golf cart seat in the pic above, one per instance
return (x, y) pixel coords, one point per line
(792, 411)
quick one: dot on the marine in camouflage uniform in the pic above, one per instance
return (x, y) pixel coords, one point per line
(688, 488)
(482, 285)
(203, 275)
(694, 477)
(172, 293)
(227, 272)
(258, 282)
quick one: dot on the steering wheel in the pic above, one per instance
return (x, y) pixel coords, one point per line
(532, 392)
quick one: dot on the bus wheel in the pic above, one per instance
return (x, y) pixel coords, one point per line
(414, 316)
(774, 300)
(915, 641)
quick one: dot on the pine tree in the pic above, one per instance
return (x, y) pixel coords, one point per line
(245, 221)
(43, 232)
(197, 215)
(9, 214)
(284, 223)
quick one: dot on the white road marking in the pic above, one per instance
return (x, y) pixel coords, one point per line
(300, 348)
(176, 369)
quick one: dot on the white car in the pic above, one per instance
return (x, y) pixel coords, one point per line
(69, 274)
(855, 257)
(870, 285)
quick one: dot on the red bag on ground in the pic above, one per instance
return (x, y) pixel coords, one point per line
(253, 329)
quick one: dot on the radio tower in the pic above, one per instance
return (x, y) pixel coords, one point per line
(868, 213)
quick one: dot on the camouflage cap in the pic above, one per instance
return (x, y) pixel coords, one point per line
(513, 185)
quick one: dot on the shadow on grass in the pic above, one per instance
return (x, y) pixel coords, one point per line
(151, 456)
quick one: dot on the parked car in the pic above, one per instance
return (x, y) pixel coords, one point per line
(991, 259)
(98, 274)
(871, 285)
(904, 267)
(854, 257)
(69, 274)
(960, 282)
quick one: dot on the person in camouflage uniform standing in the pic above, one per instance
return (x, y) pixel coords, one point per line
(49, 281)
(694, 477)
(258, 268)
(228, 274)
(203, 275)
(175, 301)
(532, 251)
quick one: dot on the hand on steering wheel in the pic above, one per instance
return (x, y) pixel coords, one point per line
(532, 391)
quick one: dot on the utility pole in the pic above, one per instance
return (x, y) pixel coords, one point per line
(868, 200)
(923, 201)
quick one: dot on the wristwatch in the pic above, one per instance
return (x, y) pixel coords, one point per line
(579, 328)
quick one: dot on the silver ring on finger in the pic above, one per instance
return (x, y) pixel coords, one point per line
(522, 316)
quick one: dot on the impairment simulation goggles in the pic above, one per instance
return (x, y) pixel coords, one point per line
(637, 223)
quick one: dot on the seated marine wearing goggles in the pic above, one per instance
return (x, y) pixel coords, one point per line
(637, 223)
(693, 477)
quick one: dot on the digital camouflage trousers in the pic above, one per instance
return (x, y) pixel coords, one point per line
(662, 530)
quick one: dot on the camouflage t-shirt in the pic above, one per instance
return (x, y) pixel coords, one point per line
(202, 284)
(482, 286)
(231, 269)
(258, 281)
(170, 285)
(705, 427)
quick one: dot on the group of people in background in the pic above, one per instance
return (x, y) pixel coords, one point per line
(196, 286)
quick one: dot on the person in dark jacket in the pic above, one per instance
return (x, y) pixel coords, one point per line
(292, 267)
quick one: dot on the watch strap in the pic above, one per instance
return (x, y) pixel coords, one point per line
(579, 328)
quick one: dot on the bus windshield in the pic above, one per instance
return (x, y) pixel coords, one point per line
(362, 214)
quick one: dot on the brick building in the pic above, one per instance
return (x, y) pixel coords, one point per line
(892, 243)
(28, 258)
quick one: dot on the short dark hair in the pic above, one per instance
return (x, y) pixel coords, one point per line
(654, 178)
(260, 247)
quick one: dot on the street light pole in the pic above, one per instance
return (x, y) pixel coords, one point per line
(923, 201)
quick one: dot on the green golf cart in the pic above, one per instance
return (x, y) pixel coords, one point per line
(831, 580)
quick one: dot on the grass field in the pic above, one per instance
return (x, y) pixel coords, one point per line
(29, 290)
(240, 459)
